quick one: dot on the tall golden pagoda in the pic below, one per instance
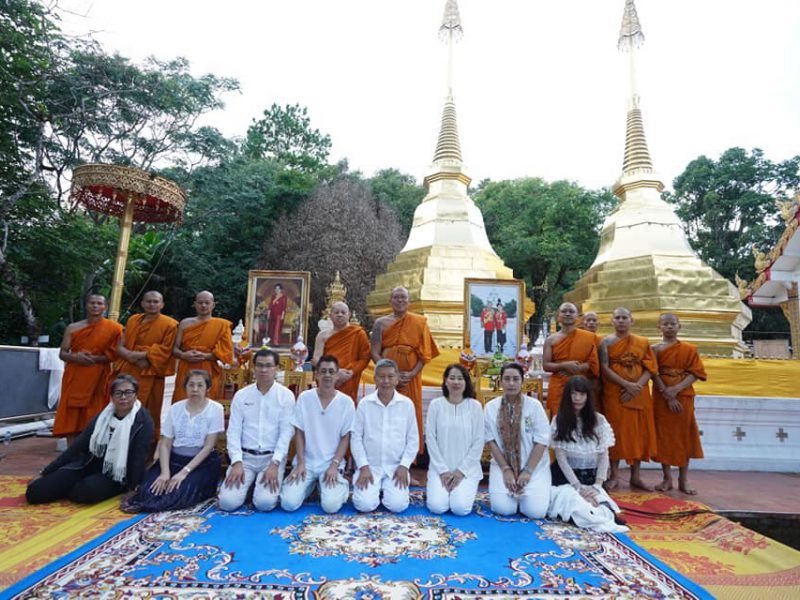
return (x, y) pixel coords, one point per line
(645, 262)
(448, 240)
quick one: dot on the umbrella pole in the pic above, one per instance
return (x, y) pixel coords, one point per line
(125, 228)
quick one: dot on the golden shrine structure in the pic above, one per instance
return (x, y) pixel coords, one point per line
(448, 240)
(644, 261)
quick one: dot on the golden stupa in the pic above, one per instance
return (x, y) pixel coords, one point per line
(645, 262)
(448, 240)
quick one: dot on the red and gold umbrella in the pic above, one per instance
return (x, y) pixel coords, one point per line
(132, 195)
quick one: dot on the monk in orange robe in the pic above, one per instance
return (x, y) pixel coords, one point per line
(590, 322)
(201, 342)
(349, 344)
(679, 366)
(89, 346)
(570, 351)
(405, 338)
(145, 352)
(627, 362)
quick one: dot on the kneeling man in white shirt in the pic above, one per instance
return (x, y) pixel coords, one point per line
(259, 432)
(385, 441)
(323, 418)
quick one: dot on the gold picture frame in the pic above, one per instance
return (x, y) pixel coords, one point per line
(277, 308)
(481, 297)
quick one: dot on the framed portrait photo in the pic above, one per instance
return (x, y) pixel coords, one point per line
(277, 308)
(493, 315)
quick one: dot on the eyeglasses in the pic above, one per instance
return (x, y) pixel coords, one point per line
(123, 394)
(263, 366)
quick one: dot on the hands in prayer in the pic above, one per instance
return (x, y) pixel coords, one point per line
(451, 479)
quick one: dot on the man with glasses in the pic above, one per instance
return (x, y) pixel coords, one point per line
(258, 436)
(323, 418)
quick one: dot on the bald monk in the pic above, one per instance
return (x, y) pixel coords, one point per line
(626, 363)
(201, 341)
(89, 347)
(590, 322)
(145, 352)
(349, 344)
(405, 338)
(679, 366)
(570, 351)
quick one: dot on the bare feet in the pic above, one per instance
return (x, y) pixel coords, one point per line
(684, 487)
(637, 483)
(611, 484)
(664, 486)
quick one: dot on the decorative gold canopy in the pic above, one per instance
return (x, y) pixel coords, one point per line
(448, 240)
(644, 261)
(134, 196)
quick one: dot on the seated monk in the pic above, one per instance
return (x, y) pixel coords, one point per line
(201, 343)
(349, 344)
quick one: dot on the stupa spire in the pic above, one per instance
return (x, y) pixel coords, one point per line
(448, 147)
(637, 156)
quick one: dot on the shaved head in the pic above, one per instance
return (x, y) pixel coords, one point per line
(205, 295)
(622, 310)
(666, 316)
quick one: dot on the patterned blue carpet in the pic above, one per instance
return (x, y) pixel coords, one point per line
(205, 553)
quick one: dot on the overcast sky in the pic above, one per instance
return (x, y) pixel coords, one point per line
(540, 87)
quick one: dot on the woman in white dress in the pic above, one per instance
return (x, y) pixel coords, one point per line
(188, 467)
(454, 437)
(581, 438)
(518, 434)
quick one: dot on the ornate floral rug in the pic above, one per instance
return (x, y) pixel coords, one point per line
(728, 559)
(203, 552)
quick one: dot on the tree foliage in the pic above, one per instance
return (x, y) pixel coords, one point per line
(728, 208)
(548, 233)
(341, 227)
(400, 191)
(284, 134)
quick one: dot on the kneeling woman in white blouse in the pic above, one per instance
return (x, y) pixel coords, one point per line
(188, 466)
(518, 434)
(454, 437)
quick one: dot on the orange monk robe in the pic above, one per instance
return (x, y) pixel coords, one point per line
(578, 345)
(213, 335)
(408, 341)
(84, 388)
(155, 337)
(351, 348)
(631, 421)
(596, 382)
(678, 435)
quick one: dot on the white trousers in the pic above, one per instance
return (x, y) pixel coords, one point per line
(395, 499)
(533, 501)
(331, 498)
(459, 501)
(232, 498)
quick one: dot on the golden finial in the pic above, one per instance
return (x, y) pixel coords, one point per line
(335, 292)
(761, 260)
(789, 208)
(744, 287)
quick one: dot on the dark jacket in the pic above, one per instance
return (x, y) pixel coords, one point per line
(78, 455)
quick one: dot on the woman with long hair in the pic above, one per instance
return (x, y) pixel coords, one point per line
(188, 466)
(581, 438)
(454, 437)
(518, 434)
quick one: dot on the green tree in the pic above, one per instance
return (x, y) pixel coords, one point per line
(728, 208)
(400, 191)
(284, 134)
(62, 102)
(548, 233)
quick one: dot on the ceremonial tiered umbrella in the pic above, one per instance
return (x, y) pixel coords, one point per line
(132, 195)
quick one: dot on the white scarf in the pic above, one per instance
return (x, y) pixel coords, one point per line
(114, 451)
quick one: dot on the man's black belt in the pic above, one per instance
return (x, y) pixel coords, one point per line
(256, 452)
